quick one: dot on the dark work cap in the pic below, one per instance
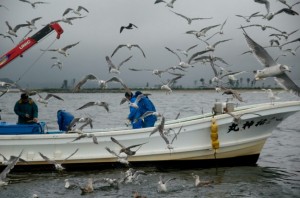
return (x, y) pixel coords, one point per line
(137, 93)
(128, 94)
(24, 96)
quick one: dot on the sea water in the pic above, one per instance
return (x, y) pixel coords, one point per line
(277, 173)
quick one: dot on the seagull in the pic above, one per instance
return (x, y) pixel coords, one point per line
(130, 26)
(132, 175)
(288, 11)
(88, 188)
(272, 68)
(3, 6)
(213, 47)
(103, 83)
(285, 35)
(86, 135)
(120, 159)
(57, 64)
(169, 4)
(234, 93)
(113, 68)
(271, 95)
(289, 6)
(237, 118)
(247, 18)
(58, 166)
(129, 46)
(63, 50)
(201, 32)
(220, 31)
(83, 81)
(13, 31)
(295, 40)
(162, 185)
(197, 54)
(160, 128)
(132, 104)
(156, 72)
(34, 3)
(185, 52)
(181, 63)
(189, 20)
(85, 120)
(32, 23)
(48, 96)
(69, 185)
(96, 103)
(127, 150)
(7, 169)
(148, 113)
(292, 51)
(263, 27)
(7, 36)
(6, 161)
(67, 20)
(199, 182)
(169, 84)
(77, 11)
(266, 2)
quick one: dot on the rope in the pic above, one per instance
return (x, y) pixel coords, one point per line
(40, 56)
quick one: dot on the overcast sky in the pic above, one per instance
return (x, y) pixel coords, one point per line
(98, 34)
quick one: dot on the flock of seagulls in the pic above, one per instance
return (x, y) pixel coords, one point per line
(272, 69)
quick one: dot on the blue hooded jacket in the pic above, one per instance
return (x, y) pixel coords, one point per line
(145, 105)
(133, 116)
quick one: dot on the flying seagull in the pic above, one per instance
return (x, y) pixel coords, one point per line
(8, 168)
(58, 166)
(77, 11)
(96, 103)
(13, 31)
(169, 4)
(34, 3)
(189, 20)
(130, 26)
(112, 68)
(63, 50)
(83, 81)
(272, 68)
(126, 150)
(129, 46)
(45, 100)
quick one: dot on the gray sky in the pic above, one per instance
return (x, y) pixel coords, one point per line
(99, 35)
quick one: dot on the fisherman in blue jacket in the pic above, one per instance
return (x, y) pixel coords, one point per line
(134, 116)
(145, 105)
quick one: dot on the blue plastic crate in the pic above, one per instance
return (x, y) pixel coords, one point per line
(21, 129)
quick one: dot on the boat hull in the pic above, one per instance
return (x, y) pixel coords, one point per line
(243, 141)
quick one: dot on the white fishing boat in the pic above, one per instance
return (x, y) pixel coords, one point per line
(240, 142)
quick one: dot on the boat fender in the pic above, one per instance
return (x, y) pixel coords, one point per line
(214, 134)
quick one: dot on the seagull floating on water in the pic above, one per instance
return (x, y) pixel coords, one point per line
(162, 185)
